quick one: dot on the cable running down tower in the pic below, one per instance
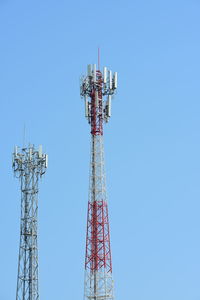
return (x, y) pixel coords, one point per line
(28, 165)
(97, 90)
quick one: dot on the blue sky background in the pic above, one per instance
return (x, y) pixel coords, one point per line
(152, 143)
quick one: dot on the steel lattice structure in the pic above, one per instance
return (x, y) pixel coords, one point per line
(98, 283)
(28, 165)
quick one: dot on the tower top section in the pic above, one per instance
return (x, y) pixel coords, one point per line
(92, 80)
(97, 89)
(29, 159)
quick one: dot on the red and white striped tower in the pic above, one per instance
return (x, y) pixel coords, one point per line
(97, 90)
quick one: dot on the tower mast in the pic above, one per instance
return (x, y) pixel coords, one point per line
(28, 165)
(97, 90)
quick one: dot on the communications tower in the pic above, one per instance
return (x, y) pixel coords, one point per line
(97, 90)
(29, 165)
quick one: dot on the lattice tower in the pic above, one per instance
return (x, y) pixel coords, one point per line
(28, 165)
(97, 90)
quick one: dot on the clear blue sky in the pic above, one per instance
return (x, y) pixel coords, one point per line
(152, 142)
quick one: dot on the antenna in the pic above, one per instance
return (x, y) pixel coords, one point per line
(98, 58)
(24, 135)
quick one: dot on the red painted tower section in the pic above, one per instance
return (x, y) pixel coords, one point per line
(98, 253)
